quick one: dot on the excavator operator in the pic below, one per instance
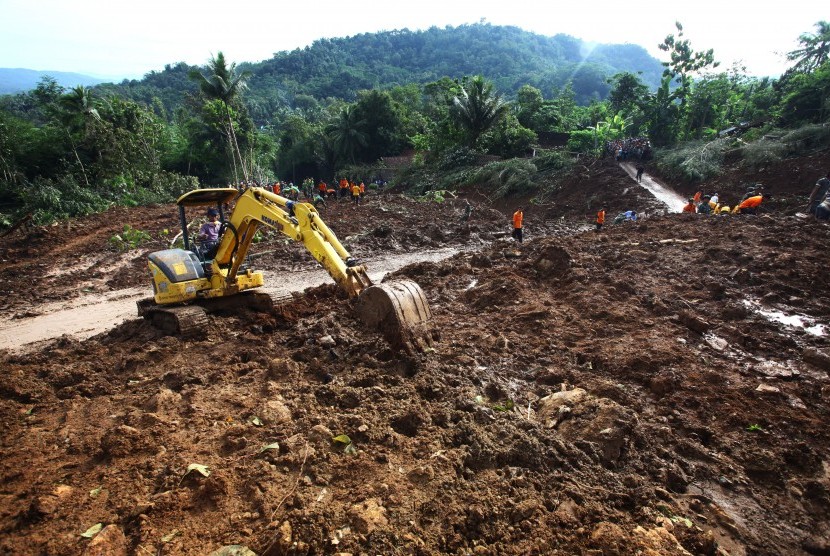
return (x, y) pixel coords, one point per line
(209, 234)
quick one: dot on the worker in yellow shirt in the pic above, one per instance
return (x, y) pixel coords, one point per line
(356, 194)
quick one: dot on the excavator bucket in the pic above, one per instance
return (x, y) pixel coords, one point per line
(399, 310)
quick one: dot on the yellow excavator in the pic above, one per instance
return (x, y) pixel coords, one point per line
(189, 282)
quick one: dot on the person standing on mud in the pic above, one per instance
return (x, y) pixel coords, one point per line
(518, 216)
(468, 210)
(640, 170)
(600, 219)
(356, 194)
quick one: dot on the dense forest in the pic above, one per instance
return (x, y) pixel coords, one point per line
(339, 68)
(339, 106)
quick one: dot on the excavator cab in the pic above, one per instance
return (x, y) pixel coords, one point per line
(186, 282)
(218, 199)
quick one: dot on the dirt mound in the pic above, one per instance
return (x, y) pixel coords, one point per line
(660, 387)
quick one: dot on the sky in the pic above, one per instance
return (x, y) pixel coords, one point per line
(117, 39)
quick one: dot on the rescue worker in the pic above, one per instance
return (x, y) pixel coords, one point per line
(690, 206)
(704, 207)
(356, 194)
(750, 205)
(600, 219)
(344, 187)
(518, 216)
(319, 201)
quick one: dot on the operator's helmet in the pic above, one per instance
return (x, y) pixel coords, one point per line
(212, 212)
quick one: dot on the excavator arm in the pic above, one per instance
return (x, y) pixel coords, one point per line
(398, 309)
(301, 222)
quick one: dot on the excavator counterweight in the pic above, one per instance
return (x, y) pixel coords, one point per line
(187, 282)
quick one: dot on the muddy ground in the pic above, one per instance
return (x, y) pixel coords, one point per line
(660, 387)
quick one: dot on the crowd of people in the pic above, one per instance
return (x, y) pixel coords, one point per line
(711, 204)
(342, 189)
(631, 147)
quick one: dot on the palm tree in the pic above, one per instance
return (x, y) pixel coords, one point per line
(347, 134)
(75, 108)
(814, 51)
(477, 109)
(224, 84)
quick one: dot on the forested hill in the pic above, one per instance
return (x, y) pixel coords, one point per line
(507, 56)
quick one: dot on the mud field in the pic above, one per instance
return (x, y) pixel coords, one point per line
(660, 387)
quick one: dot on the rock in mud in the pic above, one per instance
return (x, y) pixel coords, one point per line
(109, 542)
(368, 516)
(275, 412)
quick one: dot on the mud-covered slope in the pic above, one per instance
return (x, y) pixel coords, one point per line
(611, 393)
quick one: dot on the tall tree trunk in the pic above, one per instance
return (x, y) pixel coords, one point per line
(78, 158)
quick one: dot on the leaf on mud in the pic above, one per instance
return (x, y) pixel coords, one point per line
(680, 519)
(506, 406)
(754, 428)
(256, 421)
(272, 446)
(170, 536)
(92, 531)
(350, 449)
(95, 492)
(199, 468)
(342, 439)
(479, 400)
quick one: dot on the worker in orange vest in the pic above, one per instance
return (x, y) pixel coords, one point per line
(518, 216)
(600, 219)
(690, 207)
(750, 205)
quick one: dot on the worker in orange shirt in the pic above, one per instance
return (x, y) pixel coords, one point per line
(356, 194)
(518, 217)
(277, 187)
(600, 219)
(344, 187)
(690, 206)
(362, 188)
(322, 188)
(751, 204)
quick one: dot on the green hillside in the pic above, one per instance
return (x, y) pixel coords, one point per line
(338, 68)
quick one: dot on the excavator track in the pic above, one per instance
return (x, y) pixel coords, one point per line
(189, 322)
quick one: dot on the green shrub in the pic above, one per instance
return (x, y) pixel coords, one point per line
(583, 141)
(507, 177)
(130, 238)
(694, 161)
